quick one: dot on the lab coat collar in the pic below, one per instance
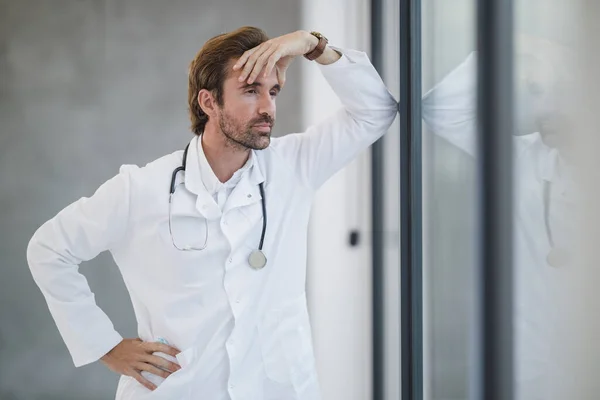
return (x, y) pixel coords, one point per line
(246, 192)
(256, 174)
(205, 204)
(193, 180)
(207, 175)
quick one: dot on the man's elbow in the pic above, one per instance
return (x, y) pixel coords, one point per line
(379, 120)
(37, 251)
(33, 251)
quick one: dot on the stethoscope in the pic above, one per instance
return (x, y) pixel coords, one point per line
(256, 259)
(557, 256)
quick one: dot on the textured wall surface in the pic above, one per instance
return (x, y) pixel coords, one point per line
(86, 86)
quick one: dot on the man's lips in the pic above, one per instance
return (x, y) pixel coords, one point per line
(263, 126)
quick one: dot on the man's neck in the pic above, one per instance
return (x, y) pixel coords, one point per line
(223, 157)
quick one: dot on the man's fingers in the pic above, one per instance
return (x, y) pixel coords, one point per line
(249, 66)
(260, 63)
(273, 58)
(155, 347)
(152, 369)
(242, 60)
(161, 362)
(143, 381)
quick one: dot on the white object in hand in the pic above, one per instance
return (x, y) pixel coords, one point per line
(157, 380)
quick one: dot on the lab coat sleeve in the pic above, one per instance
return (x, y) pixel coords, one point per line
(368, 110)
(449, 109)
(78, 233)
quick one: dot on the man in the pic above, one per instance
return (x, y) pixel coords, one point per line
(211, 242)
(544, 198)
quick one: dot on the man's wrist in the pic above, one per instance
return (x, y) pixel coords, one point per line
(318, 50)
(312, 42)
(329, 56)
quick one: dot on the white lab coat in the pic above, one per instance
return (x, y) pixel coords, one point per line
(449, 110)
(244, 334)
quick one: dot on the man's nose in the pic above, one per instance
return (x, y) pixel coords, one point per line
(267, 106)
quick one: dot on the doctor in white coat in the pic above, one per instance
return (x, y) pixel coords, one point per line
(544, 198)
(216, 271)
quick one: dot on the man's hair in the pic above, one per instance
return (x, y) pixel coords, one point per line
(208, 70)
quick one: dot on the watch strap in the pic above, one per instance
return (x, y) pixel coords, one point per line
(320, 49)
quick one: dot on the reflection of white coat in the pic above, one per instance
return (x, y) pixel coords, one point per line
(243, 333)
(449, 110)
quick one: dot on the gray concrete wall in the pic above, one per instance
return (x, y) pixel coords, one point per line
(85, 86)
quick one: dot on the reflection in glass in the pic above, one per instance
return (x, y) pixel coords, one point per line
(545, 199)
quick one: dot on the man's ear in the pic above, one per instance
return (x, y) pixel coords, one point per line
(207, 102)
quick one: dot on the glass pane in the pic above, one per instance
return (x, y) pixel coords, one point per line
(391, 209)
(449, 83)
(556, 308)
(547, 34)
(583, 353)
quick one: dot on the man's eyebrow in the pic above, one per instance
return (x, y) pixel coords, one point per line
(251, 85)
(258, 84)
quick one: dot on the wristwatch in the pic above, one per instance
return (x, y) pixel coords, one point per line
(317, 51)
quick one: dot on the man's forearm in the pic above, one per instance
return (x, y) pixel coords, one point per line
(329, 56)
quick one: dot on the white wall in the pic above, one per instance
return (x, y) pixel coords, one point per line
(339, 277)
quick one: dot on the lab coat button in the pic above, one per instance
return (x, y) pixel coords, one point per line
(230, 260)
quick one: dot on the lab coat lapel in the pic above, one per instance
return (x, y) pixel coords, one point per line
(205, 204)
(247, 191)
(244, 206)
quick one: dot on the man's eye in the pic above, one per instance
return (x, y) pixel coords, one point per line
(251, 91)
(274, 93)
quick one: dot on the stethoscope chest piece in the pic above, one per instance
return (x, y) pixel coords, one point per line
(257, 259)
(557, 257)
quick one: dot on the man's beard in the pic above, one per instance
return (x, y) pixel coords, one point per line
(244, 137)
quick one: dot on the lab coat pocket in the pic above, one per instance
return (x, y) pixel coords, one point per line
(175, 386)
(286, 343)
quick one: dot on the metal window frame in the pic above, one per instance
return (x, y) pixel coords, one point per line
(377, 221)
(411, 187)
(410, 206)
(492, 377)
(411, 307)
